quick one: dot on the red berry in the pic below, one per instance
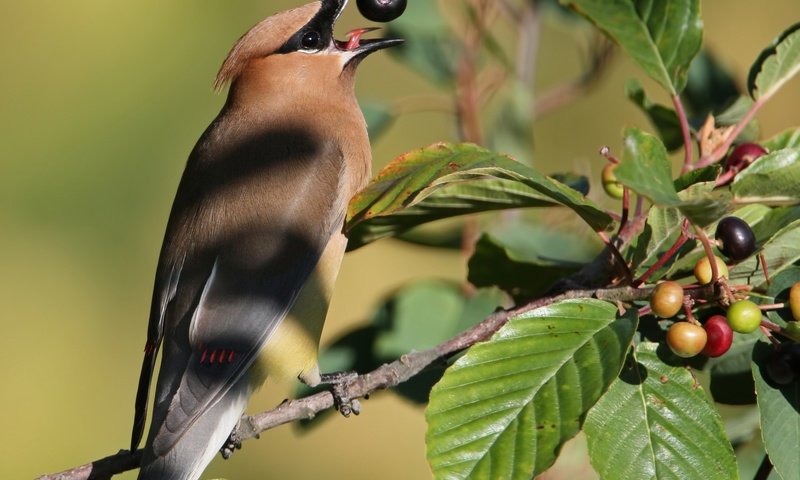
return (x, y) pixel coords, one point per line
(743, 155)
(720, 336)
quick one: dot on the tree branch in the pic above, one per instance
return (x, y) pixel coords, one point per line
(386, 376)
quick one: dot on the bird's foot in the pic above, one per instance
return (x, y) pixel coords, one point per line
(339, 382)
(239, 434)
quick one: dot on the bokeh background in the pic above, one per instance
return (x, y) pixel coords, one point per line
(100, 104)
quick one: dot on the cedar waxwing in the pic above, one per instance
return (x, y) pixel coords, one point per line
(254, 239)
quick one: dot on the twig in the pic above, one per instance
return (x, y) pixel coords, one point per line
(685, 132)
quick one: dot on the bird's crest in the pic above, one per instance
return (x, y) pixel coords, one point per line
(265, 38)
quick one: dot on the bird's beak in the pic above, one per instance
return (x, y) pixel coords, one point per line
(359, 47)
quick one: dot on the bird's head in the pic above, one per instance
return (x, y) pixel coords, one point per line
(304, 37)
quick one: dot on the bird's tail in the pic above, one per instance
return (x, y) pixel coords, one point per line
(192, 453)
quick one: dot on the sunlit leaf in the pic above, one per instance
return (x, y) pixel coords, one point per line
(661, 36)
(446, 180)
(504, 409)
(773, 179)
(789, 138)
(776, 64)
(652, 424)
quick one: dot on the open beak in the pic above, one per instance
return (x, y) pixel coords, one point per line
(362, 47)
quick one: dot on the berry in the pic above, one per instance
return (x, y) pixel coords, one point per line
(667, 299)
(735, 238)
(779, 367)
(381, 10)
(720, 336)
(686, 339)
(744, 316)
(794, 301)
(702, 270)
(743, 155)
(612, 187)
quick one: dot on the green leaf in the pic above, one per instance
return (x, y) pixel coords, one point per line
(655, 422)
(646, 169)
(445, 180)
(780, 417)
(430, 48)
(424, 314)
(780, 251)
(773, 179)
(789, 138)
(731, 379)
(663, 118)
(524, 276)
(778, 292)
(662, 229)
(662, 36)
(776, 64)
(736, 113)
(705, 174)
(504, 409)
(711, 86)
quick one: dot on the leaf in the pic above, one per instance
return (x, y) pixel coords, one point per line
(445, 180)
(773, 179)
(426, 313)
(778, 292)
(655, 422)
(511, 129)
(731, 379)
(780, 251)
(711, 86)
(776, 64)
(662, 37)
(645, 168)
(504, 409)
(698, 175)
(430, 48)
(780, 417)
(522, 276)
(663, 118)
(789, 138)
(659, 234)
(736, 113)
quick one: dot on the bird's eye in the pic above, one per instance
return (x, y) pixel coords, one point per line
(310, 40)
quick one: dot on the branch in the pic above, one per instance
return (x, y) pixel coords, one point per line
(386, 376)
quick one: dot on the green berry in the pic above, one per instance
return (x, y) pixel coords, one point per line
(744, 316)
(613, 188)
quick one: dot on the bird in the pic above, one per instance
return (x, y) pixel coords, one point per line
(254, 239)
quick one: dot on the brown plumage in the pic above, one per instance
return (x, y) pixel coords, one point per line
(254, 241)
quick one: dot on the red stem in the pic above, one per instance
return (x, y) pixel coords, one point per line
(685, 131)
(664, 258)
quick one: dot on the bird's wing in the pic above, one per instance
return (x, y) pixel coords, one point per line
(237, 312)
(155, 333)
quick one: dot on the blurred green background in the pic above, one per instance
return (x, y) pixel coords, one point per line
(101, 103)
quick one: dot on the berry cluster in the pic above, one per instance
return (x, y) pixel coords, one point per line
(735, 241)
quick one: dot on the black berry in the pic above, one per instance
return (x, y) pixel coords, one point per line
(381, 10)
(735, 238)
(779, 367)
